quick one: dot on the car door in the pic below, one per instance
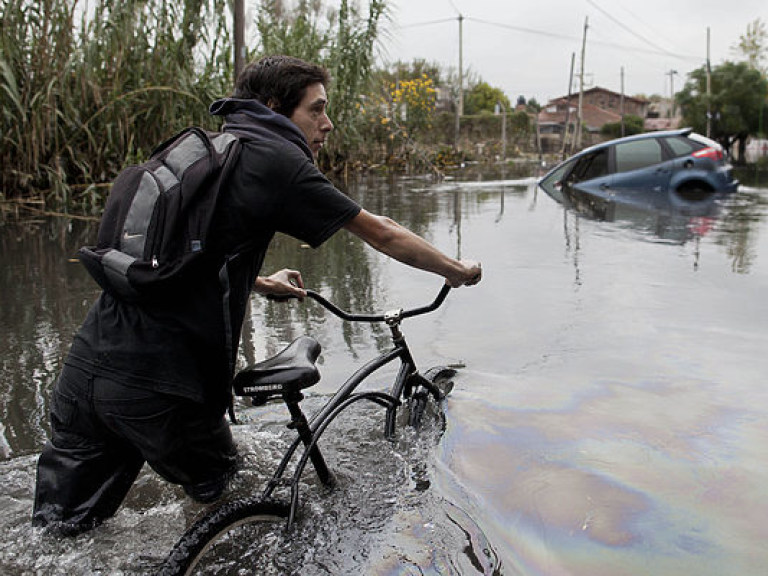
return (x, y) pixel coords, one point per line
(642, 171)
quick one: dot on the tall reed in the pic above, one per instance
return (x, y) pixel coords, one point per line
(85, 88)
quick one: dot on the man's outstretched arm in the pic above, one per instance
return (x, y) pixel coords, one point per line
(392, 239)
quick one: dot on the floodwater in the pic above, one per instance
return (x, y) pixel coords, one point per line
(609, 417)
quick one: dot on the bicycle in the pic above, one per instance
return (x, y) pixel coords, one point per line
(284, 376)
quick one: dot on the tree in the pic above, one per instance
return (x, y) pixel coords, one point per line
(400, 105)
(632, 125)
(533, 106)
(737, 103)
(413, 103)
(753, 45)
(483, 97)
(409, 71)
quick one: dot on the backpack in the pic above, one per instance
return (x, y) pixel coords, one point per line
(155, 225)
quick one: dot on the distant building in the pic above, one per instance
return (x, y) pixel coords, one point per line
(756, 149)
(656, 124)
(444, 101)
(660, 116)
(599, 107)
(611, 101)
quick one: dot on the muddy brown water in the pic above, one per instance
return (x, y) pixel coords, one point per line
(609, 417)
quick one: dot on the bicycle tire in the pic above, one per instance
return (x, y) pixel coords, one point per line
(416, 408)
(223, 524)
(442, 378)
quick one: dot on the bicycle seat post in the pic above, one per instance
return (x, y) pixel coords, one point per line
(301, 425)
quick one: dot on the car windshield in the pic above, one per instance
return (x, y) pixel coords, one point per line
(552, 182)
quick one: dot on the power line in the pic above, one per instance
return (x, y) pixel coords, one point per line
(521, 29)
(429, 23)
(628, 29)
(656, 51)
(574, 39)
(647, 26)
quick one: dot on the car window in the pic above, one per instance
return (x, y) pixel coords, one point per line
(681, 146)
(591, 166)
(637, 154)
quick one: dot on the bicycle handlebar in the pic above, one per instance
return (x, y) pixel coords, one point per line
(380, 317)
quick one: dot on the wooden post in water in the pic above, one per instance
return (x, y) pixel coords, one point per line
(239, 24)
(460, 103)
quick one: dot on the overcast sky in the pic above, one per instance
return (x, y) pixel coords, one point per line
(525, 47)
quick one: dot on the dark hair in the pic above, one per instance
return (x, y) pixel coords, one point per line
(279, 82)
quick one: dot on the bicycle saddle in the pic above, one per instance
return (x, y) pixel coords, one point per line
(291, 369)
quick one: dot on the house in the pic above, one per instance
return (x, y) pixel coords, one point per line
(612, 101)
(662, 115)
(599, 107)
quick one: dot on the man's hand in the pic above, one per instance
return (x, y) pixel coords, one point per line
(283, 284)
(469, 274)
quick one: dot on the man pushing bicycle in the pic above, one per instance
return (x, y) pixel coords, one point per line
(151, 381)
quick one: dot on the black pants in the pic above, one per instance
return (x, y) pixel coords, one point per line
(103, 432)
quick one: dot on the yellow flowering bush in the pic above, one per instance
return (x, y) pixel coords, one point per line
(398, 113)
(413, 103)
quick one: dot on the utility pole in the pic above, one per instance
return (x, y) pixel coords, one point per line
(709, 91)
(568, 108)
(621, 102)
(501, 109)
(671, 75)
(581, 83)
(239, 24)
(460, 104)
(504, 132)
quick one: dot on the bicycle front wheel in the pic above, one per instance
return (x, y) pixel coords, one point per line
(442, 378)
(228, 539)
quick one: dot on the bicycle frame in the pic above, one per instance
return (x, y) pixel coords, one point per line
(309, 432)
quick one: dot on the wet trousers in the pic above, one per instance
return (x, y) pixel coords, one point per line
(102, 433)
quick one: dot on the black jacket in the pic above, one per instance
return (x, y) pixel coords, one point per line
(187, 345)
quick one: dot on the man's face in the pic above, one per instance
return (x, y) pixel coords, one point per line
(311, 118)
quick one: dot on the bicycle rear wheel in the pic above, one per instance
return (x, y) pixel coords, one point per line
(227, 539)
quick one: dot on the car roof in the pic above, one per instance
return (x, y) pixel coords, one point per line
(643, 136)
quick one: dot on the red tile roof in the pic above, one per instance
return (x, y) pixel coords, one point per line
(593, 117)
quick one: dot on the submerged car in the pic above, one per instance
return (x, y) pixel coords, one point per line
(675, 165)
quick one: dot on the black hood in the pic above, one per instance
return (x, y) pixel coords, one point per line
(252, 118)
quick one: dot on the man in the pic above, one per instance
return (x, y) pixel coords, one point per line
(151, 382)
